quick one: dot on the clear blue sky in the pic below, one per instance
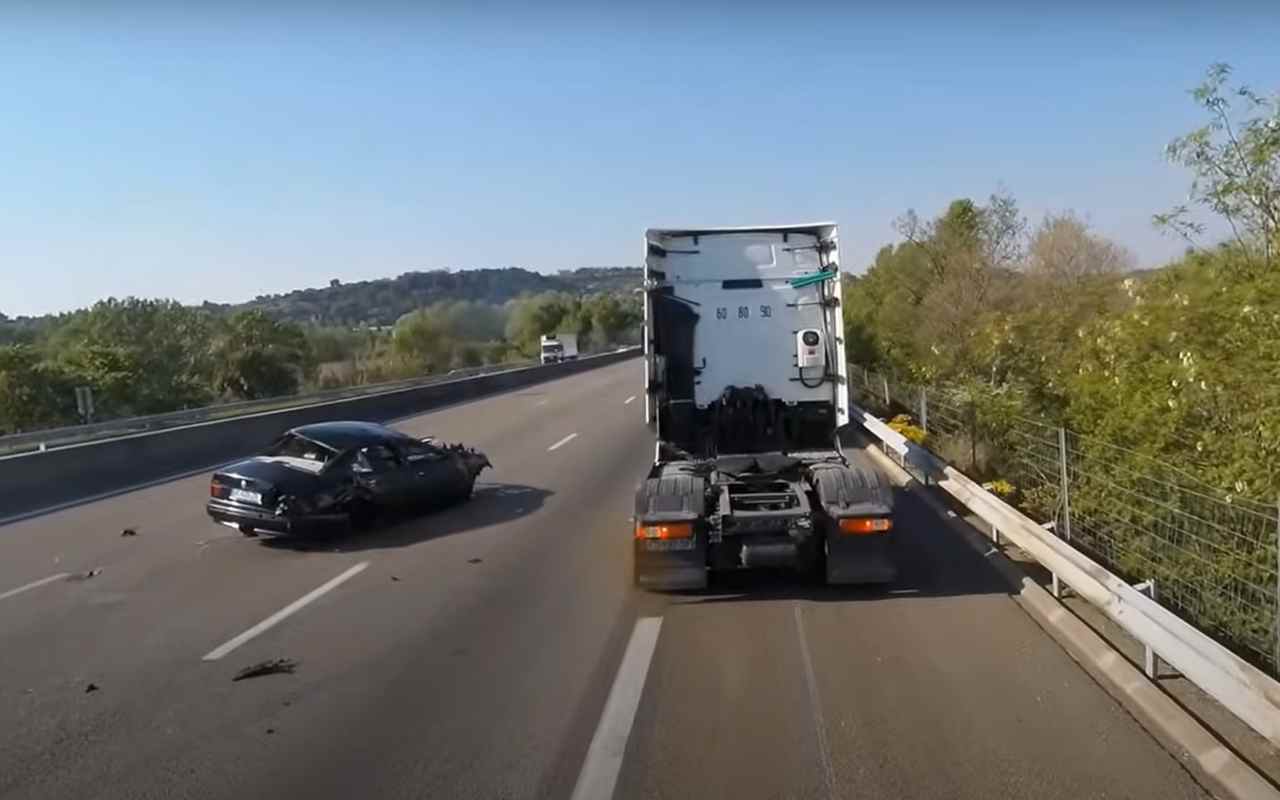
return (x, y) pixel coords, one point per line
(221, 154)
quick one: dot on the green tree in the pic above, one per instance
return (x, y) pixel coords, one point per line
(613, 319)
(139, 356)
(1235, 164)
(255, 356)
(33, 393)
(422, 338)
(472, 321)
(334, 343)
(532, 317)
(468, 354)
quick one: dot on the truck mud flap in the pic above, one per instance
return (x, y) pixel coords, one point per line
(861, 559)
(670, 542)
(672, 564)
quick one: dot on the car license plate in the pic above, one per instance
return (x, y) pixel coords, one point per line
(655, 545)
(246, 496)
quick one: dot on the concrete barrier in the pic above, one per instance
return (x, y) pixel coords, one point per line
(40, 480)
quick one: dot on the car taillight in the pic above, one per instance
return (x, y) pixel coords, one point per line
(216, 489)
(862, 525)
(669, 530)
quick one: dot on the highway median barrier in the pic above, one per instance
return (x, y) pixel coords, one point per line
(39, 480)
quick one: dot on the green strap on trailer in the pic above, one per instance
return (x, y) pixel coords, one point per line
(812, 278)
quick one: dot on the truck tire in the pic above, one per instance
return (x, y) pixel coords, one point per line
(676, 494)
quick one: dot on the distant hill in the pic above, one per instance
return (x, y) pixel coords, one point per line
(383, 301)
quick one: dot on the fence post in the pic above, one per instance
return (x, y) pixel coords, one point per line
(973, 436)
(1151, 661)
(884, 381)
(1065, 480)
(924, 410)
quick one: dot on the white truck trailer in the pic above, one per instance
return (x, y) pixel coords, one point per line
(745, 386)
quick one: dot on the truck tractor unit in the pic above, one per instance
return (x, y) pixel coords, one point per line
(745, 386)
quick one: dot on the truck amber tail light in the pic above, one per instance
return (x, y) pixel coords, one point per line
(861, 525)
(669, 530)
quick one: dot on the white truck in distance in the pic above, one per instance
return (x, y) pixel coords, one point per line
(745, 385)
(557, 347)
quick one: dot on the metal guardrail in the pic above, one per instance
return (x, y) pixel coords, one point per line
(1206, 552)
(76, 434)
(50, 438)
(1245, 690)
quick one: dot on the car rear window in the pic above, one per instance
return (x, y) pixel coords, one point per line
(297, 447)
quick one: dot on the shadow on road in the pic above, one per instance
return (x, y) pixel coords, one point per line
(933, 561)
(492, 504)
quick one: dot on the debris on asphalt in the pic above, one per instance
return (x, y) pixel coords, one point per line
(395, 577)
(474, 560)
(84, 576)
(93, 687)
(270, 731)
(128, 532)
(275, 666)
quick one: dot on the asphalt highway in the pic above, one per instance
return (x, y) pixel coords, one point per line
(497, 649)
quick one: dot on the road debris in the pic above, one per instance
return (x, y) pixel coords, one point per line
(128, 532)
(395, 577)
(273, 666)
(475, 560)
(93, 687)
(84, 576)
(270, 731)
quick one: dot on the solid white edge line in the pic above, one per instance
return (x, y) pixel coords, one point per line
(284, 613)
(600, 768)
(627, 402)
(562, 442)
(34, 585)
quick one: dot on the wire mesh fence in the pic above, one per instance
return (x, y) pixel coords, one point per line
(1213, 556)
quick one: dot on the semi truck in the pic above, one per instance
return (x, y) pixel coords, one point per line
(557, 347)
(746, 389)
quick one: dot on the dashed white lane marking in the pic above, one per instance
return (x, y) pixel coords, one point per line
(284, 613)
(819, 725)
(34, 585)
(627, 402)
(562, 442)
(604, 756)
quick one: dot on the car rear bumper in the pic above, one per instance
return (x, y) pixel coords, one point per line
(261, 519)
(236, 514)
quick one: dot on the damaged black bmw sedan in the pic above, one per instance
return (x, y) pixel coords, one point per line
(340, 474)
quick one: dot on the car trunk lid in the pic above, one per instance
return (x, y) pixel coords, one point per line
(261, 481)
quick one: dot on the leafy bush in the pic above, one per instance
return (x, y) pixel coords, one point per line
(902, 424)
